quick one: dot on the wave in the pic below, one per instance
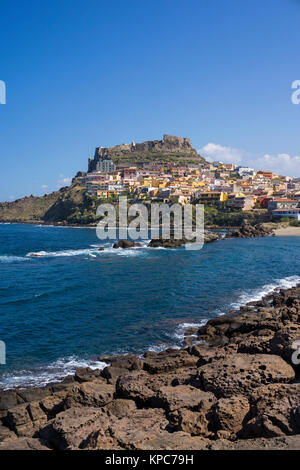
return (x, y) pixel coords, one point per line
(12, 259)
(253, 296)
(179, 333)
(257, 294)
(63, 253)
(162, 347)
(93, 252)
(52, 373)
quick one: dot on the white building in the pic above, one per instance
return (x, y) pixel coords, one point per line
(292, 213)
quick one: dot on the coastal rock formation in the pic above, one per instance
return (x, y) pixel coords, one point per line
(239, 374)
(237, 388)
(126, 244)
(209, 237)
(276, 411)
(249, 231)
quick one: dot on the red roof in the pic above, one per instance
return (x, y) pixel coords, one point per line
(284, 200)
(287, 210)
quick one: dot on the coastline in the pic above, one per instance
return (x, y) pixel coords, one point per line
(163, 390)
(287, 232)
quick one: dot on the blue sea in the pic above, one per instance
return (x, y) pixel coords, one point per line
(64, 309)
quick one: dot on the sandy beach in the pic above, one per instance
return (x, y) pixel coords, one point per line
(288, 232)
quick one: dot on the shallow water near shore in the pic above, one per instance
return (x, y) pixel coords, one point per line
(60, 310)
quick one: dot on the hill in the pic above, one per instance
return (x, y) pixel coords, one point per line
(171, 149)
(74, 206)
(28, 209)
(68, 206)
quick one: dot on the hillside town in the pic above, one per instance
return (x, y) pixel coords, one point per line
(222, 185)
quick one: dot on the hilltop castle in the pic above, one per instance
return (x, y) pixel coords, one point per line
(139, 153)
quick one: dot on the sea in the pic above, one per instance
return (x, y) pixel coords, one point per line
(73, 303)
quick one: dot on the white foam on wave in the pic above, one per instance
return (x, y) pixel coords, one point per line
(179, 333)
(162, 347)
(63, 253)
(177, 336)
(108, 249)
(93, 252)
(12, 259)
(260, 292)
(51, 373)
(246, 297)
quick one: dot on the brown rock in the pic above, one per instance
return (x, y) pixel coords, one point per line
(23, 443)
(206, 354)
(277, 411)
(111, 373)
(72, 428)
(120, 407)
(53, 405)
(8, 399)
(183, 396)
(195, 423)
(126, 244)
(164, 440)
(277, 443)
(86, 374)
(141, 426)
(94, 394)
(5, 433)
(126, 361)
(283, 341)
(240, 374)
(169, 360)
(37, 414)
(134, 385)
(18, 420)
(264, 318)
(29, 394)
(229, 414)
(256, 342)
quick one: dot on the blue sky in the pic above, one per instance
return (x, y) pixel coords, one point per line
(81, 74)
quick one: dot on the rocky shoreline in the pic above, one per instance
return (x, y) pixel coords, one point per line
(235, 385)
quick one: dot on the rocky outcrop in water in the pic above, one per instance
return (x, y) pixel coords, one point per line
(125, 244)
(235, 386)
(209, 237)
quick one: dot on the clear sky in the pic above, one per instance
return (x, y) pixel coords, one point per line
(87, 73)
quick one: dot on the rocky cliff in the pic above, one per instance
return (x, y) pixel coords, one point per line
(171, 149)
